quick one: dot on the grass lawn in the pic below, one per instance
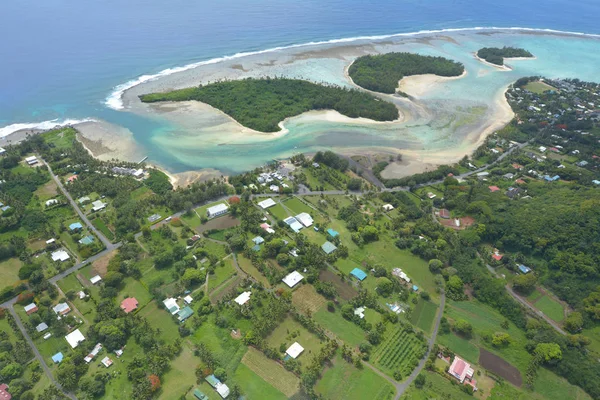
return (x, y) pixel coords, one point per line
(278, 211)
(298, 206)
(423, 315)
(551, 308)
(159, 317)
(290, 331)
(221, 274)
(348, 331)
(61, 138)
(436, 387)
(70, 282)
(182, 374)
(538, 87)
(553, 387)
(253, 386)
(271, 372)
(134, 288)
(343, 381)
(9, 271)
(5, 327)
(246, 266)
(101, 226)
(533, 296)
(460, 346)
(594, 335)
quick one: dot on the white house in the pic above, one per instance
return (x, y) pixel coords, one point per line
(51, 202)
(74, 338)
(50, 241)
(31, 160)
(388, 207)
(266, 203)
(188, 299)
(60, 255)
(292, 279)
(274, 188)
(222, 389)
(98, 205)
(305, 219)
(243, 298)
(360, 312)
(137, 174)
(95, 279)
(294, 350)
(61, 309)
(217, 210)
(171, 305)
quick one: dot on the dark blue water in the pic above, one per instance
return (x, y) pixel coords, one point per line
(61, 58)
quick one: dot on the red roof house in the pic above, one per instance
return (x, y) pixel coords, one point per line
(520, 181)
(72, 178)
(4, 395)
(129, 304)
(460, 369)
(497, 256)
(517, 166)
(494, 188)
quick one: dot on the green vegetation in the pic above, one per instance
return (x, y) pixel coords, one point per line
(381, 73)
(261, 104)
(424, 314)
(496, 55)
(400, 351)
(551, 308)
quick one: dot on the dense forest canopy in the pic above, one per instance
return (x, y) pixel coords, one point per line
(261, 104)
(496, 55)
(381, 73)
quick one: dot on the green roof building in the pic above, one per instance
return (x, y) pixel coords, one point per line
(184, 314)
(199, 395)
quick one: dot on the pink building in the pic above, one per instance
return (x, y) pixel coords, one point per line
(460, 369)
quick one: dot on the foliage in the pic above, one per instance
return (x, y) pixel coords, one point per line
(496, 55)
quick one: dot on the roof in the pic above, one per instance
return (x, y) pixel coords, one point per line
(223, 390)
(87, 240)
(106, 361)
(459, 368)
(256, 247)
(61, 308)
(83, 199)
(415, 288)
(258, 240)
(243, 298)
(129, 304)
(328, 247)
(171, 305)
(359, 274)
(58, 357)
(497, 257)
(30, 307)
(219, 208)
(333, 232)
(75, 225)
(294, 224)
(184, 313)
(360, 312)
(188, 299)
(199, 395)
(524, 269)
(294, 350)
(305, 219)
(388, 207)
(292, 279)
(494, 188)
(266, 203)
(444, 213)
(4, 395)
(95, 279)
(41, 327)
(212, 380)
(98, 205)
(74, 338)
(60, 255)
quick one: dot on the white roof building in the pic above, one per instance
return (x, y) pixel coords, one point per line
(274, 188)
(31, 160)
(360, 312)
(243, 298)
(51, 202)
(138, 173)
(188, 299)
(171, 305)
(60, 255)
(50, 241)
(388, 207)
(106, 361)
(41, 327)
(93, 353)
(222, 389)
(294, 350)
(61, 309)
(74, 338)
(30, 307)
(95, 279)
(98, 205)
(266, 203)
(305, 219)
(217, 210)
(292, 279)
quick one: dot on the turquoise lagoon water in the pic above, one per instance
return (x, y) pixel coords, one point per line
(62, 60)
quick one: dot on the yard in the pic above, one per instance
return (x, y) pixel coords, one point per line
(271, 372)
(254, 387)
(9, 271)
(460, 346)
(423, 315)
(550, 307)
(158, 316)
(290, 331)
(348, 331)
(180, 376)
(221, 274)
(343, 381)
(538, 87)
(278, 211)
(297, 206)
(134, 288)
(436, 387)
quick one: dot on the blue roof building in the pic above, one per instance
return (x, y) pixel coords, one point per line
(524, 269)
(358, 274)
(75, 226)
(258, 240)
(184, 314)
(256, 248)
(332, 232)
(548, 178)
(328, 247)
(57, 358)
(415, 288)
(87, 240)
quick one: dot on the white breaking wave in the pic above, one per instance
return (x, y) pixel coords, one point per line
(7, 130)
(115, 99)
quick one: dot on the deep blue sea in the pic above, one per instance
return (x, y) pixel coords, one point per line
(60, 59)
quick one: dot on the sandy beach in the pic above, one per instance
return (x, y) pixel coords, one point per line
(419, 85)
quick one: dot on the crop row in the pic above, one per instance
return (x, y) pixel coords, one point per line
(397, 354)
(391, 341)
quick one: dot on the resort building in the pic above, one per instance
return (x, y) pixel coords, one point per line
(292, 279)
(74, 338)
(217, 210)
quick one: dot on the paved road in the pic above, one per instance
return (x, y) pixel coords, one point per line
(91, 227)
(36, 352)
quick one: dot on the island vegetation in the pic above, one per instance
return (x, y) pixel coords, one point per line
(381, 73)
(496, 55)
(261, 104)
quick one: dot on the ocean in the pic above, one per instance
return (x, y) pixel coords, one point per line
(64, 61)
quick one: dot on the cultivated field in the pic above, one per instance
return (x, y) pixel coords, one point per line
(498, 366)
(397, 352)
(272, 372)
(345, 291)
(306, 298)
(423, 315)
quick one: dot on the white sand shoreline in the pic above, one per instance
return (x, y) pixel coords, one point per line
(502, 67)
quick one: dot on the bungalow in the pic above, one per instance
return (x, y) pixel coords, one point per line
(72, 178)
(548, 178)
(517, 166)
(93, 353)
(188, 299)
(258, 240)
(129, 304)
(50, 241)
(243, 298)
(83, 200)
(294, 350)
(401, 274)
(388, 207)
(267, 228)
(75, 226)
(98, 205)
(106, 361)
(220, 387)
(31, 308)
(460, 369)
(358, 274)
(31, 160)
(509, 176)
(61, 309)
(86, 240)
(360, 312)
(328, 247)
(292, 279)
(199, 395)
(493, 188)
(74, 338)
(217, 210)
(171, 305)
(524, 269)
(41, 327)
(266, 203)
(582, 163)
(57, 358)
(60, 255)
(444, 213)
(333, 233)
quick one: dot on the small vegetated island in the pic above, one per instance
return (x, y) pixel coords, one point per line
(381, 73)
(261, 104)
(496, 55)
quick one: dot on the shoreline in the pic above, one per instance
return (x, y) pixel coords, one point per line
(419, 85)
(504, 67)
